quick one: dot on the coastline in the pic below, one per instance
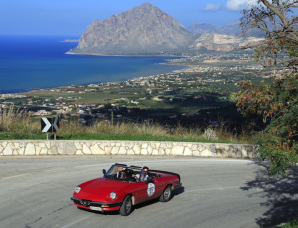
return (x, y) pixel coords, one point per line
(132, 55)
(169, 62)
(57, 65)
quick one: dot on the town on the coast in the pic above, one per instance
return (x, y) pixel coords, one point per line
(196, 93)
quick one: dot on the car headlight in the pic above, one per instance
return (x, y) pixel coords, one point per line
(77, 189)
(113, 195)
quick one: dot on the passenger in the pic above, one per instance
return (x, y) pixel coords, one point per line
(134, 177)
(137, 176)
(131, 176)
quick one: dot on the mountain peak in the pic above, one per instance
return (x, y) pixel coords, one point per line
(147, 4)
(144, 29)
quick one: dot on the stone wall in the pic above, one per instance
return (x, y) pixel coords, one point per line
(105, 147)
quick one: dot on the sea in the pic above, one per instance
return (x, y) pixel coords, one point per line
(39, 62)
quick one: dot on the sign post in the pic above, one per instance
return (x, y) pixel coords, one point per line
(50, 125)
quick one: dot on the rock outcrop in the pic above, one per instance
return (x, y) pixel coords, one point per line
(222, 42)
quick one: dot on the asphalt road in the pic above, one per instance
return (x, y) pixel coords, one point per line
(35, 192)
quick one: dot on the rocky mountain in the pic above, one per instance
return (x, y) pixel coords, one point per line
(144, 29)
(222, 42)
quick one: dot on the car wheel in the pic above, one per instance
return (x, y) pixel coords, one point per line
(166, 195)
(126, 207)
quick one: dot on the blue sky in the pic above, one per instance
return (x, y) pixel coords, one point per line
(71, 17)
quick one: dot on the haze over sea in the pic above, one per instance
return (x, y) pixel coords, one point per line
(37, 62)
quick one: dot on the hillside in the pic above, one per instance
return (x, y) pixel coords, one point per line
(222, 42)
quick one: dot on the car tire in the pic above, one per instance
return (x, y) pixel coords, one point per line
(126, 207)
(166, 195)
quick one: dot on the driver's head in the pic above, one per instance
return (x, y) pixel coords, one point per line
(146, 169)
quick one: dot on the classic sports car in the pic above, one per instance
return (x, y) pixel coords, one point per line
(122, 187)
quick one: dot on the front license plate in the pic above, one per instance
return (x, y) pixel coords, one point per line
(95, 208)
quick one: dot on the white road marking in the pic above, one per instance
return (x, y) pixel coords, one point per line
(51, 170)
(85, 166)
(145, 161)
(77, 221)
(191, 160)
(16, 176)
(216, 188)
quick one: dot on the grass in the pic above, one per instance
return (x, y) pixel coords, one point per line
(18, 125)
(90, 136)
(291, 224)
(11, 136)
(17, 122)
(134, 138)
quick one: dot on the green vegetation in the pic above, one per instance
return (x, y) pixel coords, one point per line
(180, 105)
(22, 126)
(291, 224)
(276, 102)
(17, 122)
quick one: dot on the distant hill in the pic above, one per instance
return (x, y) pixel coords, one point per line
(222, 42)
(202, 28)
(231, 28)
(144, 29)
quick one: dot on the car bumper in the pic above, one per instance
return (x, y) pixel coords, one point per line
(97, 206)
(177, 186)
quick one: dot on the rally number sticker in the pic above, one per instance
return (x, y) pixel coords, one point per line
(150, 189)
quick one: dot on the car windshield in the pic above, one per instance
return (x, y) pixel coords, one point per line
(114, 170)
(122, 172)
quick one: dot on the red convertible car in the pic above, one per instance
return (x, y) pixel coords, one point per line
(124, 186)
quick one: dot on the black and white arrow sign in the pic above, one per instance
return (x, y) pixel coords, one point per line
(46, 125)
(56, 124)
(49, 124)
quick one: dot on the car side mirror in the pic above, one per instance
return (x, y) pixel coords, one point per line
(104, 172)
(149, 179)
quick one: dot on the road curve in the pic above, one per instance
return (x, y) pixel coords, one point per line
(35, 192)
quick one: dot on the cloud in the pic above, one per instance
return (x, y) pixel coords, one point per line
(212, 7)
(239, 4)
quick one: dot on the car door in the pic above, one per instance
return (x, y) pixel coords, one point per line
(159, 185)
(140, 192)
(145, 191)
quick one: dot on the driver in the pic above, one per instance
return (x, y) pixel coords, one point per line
(146, 173)
(130, 176)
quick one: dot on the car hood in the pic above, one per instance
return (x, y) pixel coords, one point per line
(99, 189)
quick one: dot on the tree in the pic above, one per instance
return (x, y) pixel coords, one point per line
(278, 102)
(277, 20)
